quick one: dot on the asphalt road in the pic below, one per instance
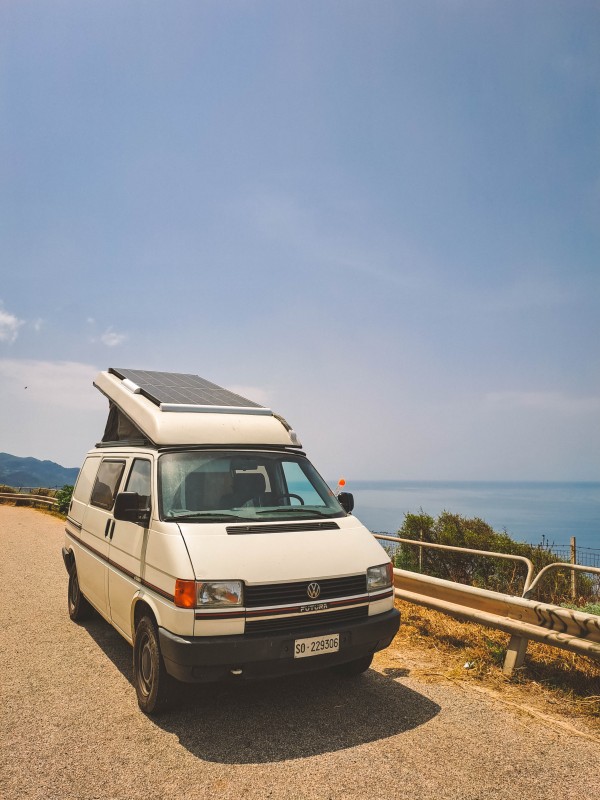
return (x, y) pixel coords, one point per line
(70, 726)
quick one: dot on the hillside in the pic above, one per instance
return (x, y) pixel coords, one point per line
(17, 471)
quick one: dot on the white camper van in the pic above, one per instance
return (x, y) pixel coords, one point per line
(199, 529)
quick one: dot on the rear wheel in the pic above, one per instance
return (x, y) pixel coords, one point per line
(153, 684)
(79, 608)
(353, 668)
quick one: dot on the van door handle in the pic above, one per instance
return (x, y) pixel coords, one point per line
(106, 527)
(112, 529)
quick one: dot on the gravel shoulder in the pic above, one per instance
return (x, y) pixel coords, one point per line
(71, 728)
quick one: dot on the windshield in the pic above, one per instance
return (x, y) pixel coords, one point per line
(215, 486)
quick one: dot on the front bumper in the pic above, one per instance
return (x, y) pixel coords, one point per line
(202, 659)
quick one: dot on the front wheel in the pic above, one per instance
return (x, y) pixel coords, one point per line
(352, 668)
(153, 684)
(79, 608)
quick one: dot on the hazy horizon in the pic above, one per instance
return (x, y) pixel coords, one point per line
(387, 483)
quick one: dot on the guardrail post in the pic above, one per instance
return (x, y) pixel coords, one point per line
(515, 654)
(573, 573)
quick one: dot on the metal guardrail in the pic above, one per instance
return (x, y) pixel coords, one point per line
(558, 565)
(522, 617)
(508, 556)
(26, 497)
(31, 489)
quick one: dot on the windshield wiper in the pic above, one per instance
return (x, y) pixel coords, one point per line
(213, 516)
(292, 510)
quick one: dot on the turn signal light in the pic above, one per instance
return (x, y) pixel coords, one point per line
(390, 572)
(185, 593)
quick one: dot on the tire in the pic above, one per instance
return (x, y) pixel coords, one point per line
(153, 684)
(79, 608)
(353, 668)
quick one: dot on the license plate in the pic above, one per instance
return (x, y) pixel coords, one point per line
(317, 645)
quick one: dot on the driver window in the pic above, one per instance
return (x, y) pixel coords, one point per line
(107, 483)
(139, 481)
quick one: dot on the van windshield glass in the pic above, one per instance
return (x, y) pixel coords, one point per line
(201, 486)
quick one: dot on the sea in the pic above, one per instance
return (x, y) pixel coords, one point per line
(536, 513)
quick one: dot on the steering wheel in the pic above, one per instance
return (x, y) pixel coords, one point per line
(286, 494)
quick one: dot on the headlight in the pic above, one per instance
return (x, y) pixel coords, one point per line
(380, 577)
(217, 594)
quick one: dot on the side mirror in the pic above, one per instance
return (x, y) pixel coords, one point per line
(132, 507)
(346, 500)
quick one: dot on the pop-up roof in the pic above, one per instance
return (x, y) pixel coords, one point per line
(168, 389)
(172, 408)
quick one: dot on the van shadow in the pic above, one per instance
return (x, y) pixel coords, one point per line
(279, 719)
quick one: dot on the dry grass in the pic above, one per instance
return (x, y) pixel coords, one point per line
(551, 679)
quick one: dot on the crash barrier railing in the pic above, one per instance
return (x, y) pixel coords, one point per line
(49, 491)
(28, 498)
(521, 617)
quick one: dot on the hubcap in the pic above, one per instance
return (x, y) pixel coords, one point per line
(146, 671)
(74, 591)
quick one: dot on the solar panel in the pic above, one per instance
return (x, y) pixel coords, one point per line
(177, 388)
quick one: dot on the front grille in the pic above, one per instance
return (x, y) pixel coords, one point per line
(286, 527)
(275, 594)
(296, 624)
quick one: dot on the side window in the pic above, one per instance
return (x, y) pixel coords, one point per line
(107, 483)
(139, 481)
(85, 480)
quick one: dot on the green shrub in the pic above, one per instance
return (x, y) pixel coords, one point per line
(590, 608)
(63, 498)
(499, 575)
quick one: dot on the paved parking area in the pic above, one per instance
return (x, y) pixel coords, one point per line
(71, 727)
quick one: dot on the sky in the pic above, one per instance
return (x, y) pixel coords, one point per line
(380, 219)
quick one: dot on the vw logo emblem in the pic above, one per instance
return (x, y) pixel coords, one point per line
(313, 590)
